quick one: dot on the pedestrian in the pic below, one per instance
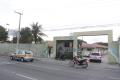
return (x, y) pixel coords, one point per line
(49, 51)
(61, 52)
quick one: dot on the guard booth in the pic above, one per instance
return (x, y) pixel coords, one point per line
(63, 46)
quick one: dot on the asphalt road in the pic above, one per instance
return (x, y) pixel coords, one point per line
(40, 70)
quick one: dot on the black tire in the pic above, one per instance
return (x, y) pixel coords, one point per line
(85, 65)
(22, 60)
(100, 61)
(71, 64)
(31, 60)
(90, 60)
(11, 58)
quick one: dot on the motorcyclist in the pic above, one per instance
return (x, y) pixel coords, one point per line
(79, 59)
(76, 58)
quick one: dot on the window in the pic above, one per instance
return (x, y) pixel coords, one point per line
(66, 44)
(28, 52)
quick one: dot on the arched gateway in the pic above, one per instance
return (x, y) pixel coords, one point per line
(111, 57)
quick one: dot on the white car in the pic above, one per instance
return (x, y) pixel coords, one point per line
(95, 57)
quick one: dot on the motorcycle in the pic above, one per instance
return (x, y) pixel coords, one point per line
(79, 62)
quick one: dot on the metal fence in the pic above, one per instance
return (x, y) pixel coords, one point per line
(39, 50)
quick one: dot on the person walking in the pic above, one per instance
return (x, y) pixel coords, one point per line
(49, 51)
(61, 52)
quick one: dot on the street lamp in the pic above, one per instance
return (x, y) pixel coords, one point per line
(18, 33)
(6, 26)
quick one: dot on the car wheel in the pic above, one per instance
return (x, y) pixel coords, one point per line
(31, 60)
(90, 60)
(71, 63)
(85, 65)
(11, 58)
(100, 61)
(22, 59)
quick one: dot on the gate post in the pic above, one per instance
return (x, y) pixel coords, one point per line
(119, 50)
(75, 46)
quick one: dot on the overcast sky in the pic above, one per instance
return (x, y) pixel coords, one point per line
(54, 14)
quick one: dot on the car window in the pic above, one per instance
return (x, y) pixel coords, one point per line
(28, 52)
(16, 52)
(20, 52)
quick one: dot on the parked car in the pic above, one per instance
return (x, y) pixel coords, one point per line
(86, 54)
(22, 55)
(95, 57)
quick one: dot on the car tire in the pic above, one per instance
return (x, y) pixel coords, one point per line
(100, 61)
(31, 60)
(22, 60)
(71, 63)
(85, 65)
(90, 60)
(11, 58)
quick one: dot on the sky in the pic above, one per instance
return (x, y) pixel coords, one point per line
(60, 14)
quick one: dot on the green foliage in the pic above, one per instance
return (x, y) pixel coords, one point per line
(26, 35)
(3, 34)
(37, 32)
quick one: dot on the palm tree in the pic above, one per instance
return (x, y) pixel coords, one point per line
(37, 32)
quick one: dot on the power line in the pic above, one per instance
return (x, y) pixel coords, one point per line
(84, 27)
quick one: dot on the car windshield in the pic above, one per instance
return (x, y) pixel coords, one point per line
(96, 54)
(28, 52)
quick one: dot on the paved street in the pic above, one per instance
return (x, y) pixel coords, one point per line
(43, 70)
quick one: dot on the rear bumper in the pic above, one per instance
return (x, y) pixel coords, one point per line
(95, 60)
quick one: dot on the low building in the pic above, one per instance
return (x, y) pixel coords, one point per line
(90, 48)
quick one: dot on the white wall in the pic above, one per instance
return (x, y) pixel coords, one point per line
(39, 50)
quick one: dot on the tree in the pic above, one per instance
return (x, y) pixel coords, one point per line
(3, 34)
(26, 35)
(37, 32)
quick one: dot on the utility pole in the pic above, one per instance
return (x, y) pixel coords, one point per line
(18, 33)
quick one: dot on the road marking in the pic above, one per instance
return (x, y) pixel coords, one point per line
(114, 78)
(26, 77)
(20, 75)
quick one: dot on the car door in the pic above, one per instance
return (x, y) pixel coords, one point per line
(18, 54)
(28, 54)
(21, 54)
